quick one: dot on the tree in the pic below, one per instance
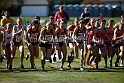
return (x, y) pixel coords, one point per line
(6, 4)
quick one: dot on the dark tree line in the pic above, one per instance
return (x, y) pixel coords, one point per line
(14, 6)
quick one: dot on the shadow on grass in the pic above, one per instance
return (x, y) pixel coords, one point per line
(17, 70)
(99, 70)
(53, 69)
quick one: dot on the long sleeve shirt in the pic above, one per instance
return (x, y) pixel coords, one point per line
(61, 15)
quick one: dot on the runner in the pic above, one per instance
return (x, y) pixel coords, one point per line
(89, 43)
(119, 42)
(17, 41)
(36, 18)
(60, 38)
(74, 52)
(32, 36)
(7, 36)
(110, 33)
(45, 39)
(51, 19)
(99, 39)
(79, 36)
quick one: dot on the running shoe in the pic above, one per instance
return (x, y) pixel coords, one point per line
(69, 67)
(42, 69)
(61, 68)
(81, 68)
(121, 65)
(22, 66)
(105, 66)
(90, 66)
(10, 67)
(97, 67)
(33, 66)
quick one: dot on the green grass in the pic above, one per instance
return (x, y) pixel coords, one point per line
(29, 19)
(53, 75)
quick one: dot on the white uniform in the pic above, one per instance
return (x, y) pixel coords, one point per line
(8, 36)
(18, 38)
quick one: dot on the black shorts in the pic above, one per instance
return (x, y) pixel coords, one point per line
(16, 43)
(60, 44)
(34, 44)
(117, 45)
(47, 45)
(80, 42)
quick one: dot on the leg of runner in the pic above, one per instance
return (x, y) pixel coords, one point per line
(104, 54)
(21, 49)
(43, 53)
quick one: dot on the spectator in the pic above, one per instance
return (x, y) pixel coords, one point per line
(6, 19)
(86, 15)
(61, 15)
(101, 16)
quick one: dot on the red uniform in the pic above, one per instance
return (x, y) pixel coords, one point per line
(118, 41)
(109, 37)
(33, 36)
(101, 38)
(80, 35)
(71, 30)
(89, 36)
(61, 37)
(48, 35)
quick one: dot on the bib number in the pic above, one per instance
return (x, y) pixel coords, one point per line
(48, 38)
(61, 38)
(18, 38)
(33, 38)
(118, 41)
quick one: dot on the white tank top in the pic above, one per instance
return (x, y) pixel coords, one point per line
(8, 36)
(19, 37)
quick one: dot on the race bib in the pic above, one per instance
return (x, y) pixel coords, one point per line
(18, 38)
(80, 37)
(100, 41)
(118, 41)
(48, 38)
(33, 37)
(61, 38)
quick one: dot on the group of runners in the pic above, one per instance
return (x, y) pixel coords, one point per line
(97, 38)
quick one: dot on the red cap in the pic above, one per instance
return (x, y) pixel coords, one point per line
(61, 6)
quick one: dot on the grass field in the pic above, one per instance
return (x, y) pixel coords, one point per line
(53, 75)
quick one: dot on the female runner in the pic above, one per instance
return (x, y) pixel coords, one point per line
(60, 39)
(99, 39)
(32, 36)
(110, 33)
(79, 37)
(73, 52)
(17, 41)
(118, 41)
(45, 40)
(7, 36)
